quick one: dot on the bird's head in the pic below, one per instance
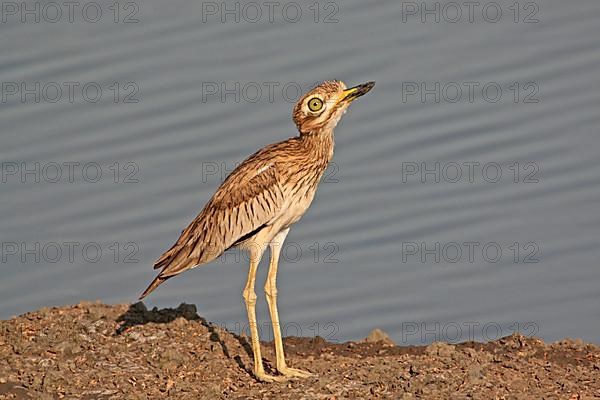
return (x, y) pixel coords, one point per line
(322, 107)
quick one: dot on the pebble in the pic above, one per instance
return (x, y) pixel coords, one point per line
(377, 335)
(440, 349)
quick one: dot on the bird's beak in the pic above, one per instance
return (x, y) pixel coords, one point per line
(355, 92)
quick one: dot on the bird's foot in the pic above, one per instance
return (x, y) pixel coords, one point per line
(264, 377)
(294, 372)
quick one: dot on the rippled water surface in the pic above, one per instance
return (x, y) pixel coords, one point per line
(464, 198)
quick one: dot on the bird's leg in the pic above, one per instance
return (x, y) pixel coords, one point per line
(250, 300)
(271, 292)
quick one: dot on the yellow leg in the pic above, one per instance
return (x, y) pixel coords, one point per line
(250, 300)
(271, 292)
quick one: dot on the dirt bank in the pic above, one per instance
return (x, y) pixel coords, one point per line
(96, 351)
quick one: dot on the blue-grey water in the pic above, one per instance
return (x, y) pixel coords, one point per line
(464, 198)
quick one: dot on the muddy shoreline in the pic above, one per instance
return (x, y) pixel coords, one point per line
(98, 351)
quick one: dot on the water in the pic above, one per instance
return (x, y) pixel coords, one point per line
(412, 231)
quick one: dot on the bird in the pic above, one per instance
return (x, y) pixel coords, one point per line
(258, 202)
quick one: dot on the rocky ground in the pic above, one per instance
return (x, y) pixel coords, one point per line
(97, 351)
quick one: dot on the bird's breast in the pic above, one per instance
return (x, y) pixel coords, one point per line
(301, 189)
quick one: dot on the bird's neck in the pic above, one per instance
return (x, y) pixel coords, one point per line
(319, 144)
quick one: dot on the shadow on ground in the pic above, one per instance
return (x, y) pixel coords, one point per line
(138, 314)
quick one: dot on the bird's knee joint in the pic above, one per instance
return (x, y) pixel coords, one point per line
(272, 295)
(270, 291)
(249, 296)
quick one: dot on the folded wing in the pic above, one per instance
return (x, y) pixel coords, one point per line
(249, 199)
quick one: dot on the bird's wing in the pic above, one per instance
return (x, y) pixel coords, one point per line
(250, 198)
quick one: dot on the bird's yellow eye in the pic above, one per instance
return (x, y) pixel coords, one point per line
(315, 104)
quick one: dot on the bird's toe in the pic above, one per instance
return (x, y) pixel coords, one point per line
(294, 372)
(264, 377)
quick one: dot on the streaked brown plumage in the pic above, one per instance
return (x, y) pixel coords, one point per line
(258, 202)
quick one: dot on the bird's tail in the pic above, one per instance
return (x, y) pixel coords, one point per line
(153, 285)
(188, 252)
(171, 265)
(173, 262)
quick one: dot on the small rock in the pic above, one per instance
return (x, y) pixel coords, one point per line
(377, 335)
(174, 356)
(68, 348)
(414, 370)
(441, 349)
(139, 307)
(188, 311)
(475, 373)
(471, 352)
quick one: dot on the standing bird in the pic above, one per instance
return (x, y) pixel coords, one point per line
(259, 201)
